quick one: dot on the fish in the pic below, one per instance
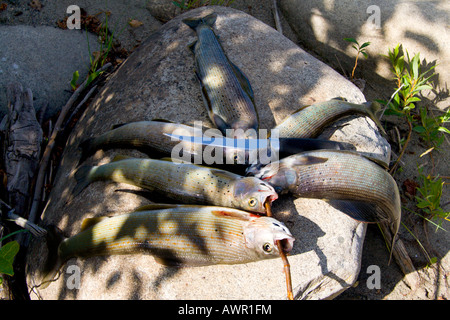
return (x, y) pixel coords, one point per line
(149, 137)
(348, 181)
(166, 138)
(309, 121)
(226, 91)
(184, 182)
(176, 235)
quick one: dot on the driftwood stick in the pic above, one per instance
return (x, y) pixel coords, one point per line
(276, 17)
(49, 148)
(401, 256)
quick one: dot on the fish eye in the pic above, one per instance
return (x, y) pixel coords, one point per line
(267, 247)
(252, 202)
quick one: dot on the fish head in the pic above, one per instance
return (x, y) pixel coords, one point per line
(279, 176)
(261, 234)
(251, 194)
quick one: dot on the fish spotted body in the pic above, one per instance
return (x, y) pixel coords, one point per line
(350, 182)
(226, 90)
(183, 182)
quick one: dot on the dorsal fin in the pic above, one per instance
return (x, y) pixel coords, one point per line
(89, 222)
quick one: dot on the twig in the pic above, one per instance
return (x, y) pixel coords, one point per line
(401, 256)
(276, 16)
(394, 167)
(49, 148)
(390, 100)
(287, 267)
(86, 97)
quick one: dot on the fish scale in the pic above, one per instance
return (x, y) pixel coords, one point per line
(229, 105)
(371, 192)
(308, 121)
(183, 182)
(181, 234)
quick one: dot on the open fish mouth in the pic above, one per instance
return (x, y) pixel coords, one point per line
(287, 244)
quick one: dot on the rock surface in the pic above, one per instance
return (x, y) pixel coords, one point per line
(420, 26)
(48, 56)
(44, 61)
(157, 81)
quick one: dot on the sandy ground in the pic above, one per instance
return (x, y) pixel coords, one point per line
(434, 283)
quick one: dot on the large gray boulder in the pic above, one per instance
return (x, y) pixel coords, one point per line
(421, 26)
(158, 81)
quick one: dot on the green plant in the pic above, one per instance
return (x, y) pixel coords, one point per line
(8, 253)
(73, 82)
(360, 49)
(410, 81)
(429, 200)
(191, 4)
(98, 58)
(431, 128)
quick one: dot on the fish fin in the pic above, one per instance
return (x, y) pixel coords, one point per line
(156, 206)
(89, 222)
(223, 174)
(220, 123)
(53, 263)
(301, 160)
(195, 22)
(301, 108)
(169, 262)
(379, 162)
(83, 178)
(232, 213)
(244, 82)
(339, 99)
(120, 157)
(191, 46)
(88, 147)
(118, 125)
(162, 120)
(373, 109)
(358, 210)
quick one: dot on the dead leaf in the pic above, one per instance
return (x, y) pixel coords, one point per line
(3, 6)
(135, 23)
(410, 186)
(36, 4)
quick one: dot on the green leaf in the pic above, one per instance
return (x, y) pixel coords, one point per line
(365, 44)
(7, 254)
(364, 54)
(353, 40)
(442, 129)
(75, 77)
(419, 129)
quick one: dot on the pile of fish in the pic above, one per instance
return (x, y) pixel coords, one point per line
(221, 216)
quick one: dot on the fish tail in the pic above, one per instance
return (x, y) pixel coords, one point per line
(373, 110)
(209, 20)
(88, 147)
(54, 237)
(83, 176)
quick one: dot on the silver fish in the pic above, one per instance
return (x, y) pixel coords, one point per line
(183, 182)
(308, 121)
(176, 235)
(350, 182)
(226, 91)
